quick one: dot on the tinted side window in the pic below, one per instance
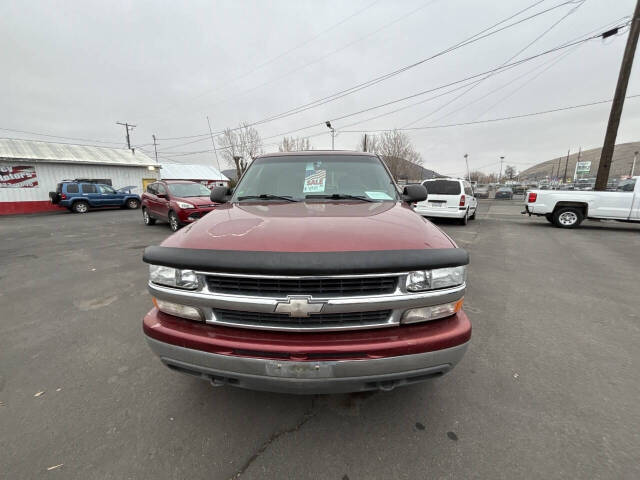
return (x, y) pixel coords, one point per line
(443, 187)
(73, 188)
(88, 188)
(160, 189)
(151, 188)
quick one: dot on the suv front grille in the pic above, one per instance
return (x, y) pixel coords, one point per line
(258, 319)
(278, 287)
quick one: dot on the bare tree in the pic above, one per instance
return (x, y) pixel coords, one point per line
(510, 172)
(239, 146)
(297, 144)
(396, 150)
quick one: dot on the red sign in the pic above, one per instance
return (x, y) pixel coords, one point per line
(18, 176)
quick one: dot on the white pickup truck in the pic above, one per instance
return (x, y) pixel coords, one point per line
(568, 208)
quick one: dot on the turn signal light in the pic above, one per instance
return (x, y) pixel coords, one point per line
(532, 197)
(177, 310)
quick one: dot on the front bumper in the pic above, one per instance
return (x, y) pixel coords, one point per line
(309, 363)
(192, 214)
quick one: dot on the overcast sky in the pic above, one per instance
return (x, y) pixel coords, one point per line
(74, 68)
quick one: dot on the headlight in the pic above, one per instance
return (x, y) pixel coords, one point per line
(422, 280)
(173, 277)
(184, 205)
(178, 310)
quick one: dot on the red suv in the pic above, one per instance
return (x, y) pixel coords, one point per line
(175, 201)
(314, 275)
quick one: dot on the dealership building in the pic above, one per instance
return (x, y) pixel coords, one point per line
(30, 169)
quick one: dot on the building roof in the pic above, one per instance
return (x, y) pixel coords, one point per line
(181, 171)
(36, 151)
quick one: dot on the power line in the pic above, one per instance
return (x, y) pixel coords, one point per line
(547, 30)
(279, 56)
(491, 120)
(59, 136)
(486, 32)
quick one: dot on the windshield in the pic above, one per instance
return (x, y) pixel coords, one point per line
(443, 187)
(316, 176)
(188, 190)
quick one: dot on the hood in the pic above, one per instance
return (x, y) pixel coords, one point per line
(311, 227)
(198, 201)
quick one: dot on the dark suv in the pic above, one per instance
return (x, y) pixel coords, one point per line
(175, 201)
(79, 197)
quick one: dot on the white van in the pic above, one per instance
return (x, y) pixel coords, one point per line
(448, 198)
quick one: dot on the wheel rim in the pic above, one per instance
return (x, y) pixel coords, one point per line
(173, 222)
(145, 216)
(133, 204)
(81, 207)
(568, 218)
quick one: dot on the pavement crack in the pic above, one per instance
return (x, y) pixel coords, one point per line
(308, 415)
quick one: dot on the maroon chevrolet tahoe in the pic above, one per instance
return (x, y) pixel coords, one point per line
(313, 276)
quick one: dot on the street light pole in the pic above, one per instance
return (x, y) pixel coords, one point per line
(500, 176)
(633, 165)
(333, 134)
(466, 159)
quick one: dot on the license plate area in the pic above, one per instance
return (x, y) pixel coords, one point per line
(437, 204)
(288, 369)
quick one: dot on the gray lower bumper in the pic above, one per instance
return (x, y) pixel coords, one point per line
(309, 377)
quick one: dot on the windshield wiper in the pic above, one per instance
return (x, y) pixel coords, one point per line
(267, 196)
(342, 196)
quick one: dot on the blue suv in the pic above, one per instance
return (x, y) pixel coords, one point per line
(79, 197)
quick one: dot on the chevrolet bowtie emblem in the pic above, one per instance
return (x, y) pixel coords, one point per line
(299, 306)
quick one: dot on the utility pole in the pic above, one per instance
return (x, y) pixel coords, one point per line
(566, 164)
(500, 176)
(155, 150)
(365, 142)
(633, 165)
(575, 172)
(466, 159)
(215, 151)
(618, 101)
(128, 128)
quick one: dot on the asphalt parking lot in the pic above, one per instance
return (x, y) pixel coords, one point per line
(548, 389)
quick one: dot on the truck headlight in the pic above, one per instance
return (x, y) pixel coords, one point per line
(424, 314)
(178, 310)
(173, 277)
(422, 280)
(184, 205)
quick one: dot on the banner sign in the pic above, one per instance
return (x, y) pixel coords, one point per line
(583, 167)
(18, 176)
(314, 179)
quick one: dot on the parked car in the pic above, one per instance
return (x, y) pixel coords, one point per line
(567, 209)
(79, 197)
(448, 198)
(504, 193)
(314, 276)
(519, 189)
(177, 202)
(481, 191)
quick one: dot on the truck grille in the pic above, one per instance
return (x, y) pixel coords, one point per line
(258, 319)
(278, 287)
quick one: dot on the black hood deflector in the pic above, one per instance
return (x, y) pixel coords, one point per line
(305, 263)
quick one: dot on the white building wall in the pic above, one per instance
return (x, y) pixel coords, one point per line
(50, 174)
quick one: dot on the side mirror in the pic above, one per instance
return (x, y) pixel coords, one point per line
(414, 193)
(220, 194)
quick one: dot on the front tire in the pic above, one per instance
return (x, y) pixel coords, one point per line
(567, 217)
(146, 218)
(174, 223)
(80, 207)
